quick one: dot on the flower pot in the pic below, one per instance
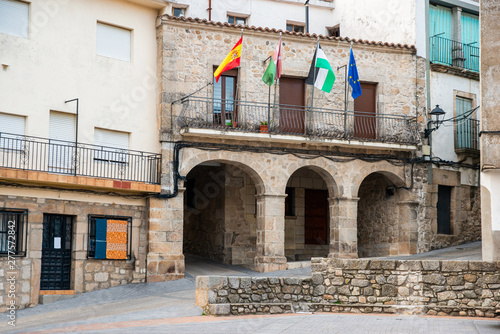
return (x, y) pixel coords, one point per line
(263, 128)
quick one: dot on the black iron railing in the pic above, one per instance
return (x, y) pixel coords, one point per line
(200, 112)
(452, 53)
(63, 157)
(467, 134)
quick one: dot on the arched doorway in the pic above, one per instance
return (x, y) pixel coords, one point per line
(220, 213)
(307, 214)
(382, 231)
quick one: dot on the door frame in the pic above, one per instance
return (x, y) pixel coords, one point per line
(70, 220)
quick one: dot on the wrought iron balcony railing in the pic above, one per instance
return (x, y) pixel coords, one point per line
(467, 135)
(230, 115)
(452, 53)
(63, 157)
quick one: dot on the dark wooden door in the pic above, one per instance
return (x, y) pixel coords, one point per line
(292, 101)
(316, 217)
(444, 209)
(365, 121)
(56, 253)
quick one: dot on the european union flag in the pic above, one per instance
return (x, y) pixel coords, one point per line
(353, 77)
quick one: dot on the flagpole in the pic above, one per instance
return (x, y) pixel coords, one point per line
(314, 81)
(347, 93)
(238, 94)
(275, 84)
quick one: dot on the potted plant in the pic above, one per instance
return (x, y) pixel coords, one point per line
(229, 123)
(263, 127)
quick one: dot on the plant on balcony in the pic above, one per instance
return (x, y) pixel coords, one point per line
(263, 127)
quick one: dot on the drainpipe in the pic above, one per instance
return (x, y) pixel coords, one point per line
(209, 10)
(307, 15)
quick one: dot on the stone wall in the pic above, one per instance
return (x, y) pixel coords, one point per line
(456, 288)
(87, 274)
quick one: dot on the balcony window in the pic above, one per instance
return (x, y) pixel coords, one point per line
(466, 137)
(224, 98)
(14, 18)
(62, 132)
(365, 112)
(11, 131)
(113, 146)
(114, 42)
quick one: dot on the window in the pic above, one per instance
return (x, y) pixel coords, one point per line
(14, 18)
(467, 127)
(365, 114)
(294, 27)
(62, 130)
(13, 224)
(334, 31)
(110, 237)
(11, 128)
(112, 146)
(444, 210)
(113, 42)
(178, 12)
(224, 98)
(290, 201)
(236, 20)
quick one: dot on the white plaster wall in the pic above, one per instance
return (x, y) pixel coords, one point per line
(490, 180)
(58, 62)
(442, 86)
(377, 20)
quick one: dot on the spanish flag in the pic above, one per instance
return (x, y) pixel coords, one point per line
(231, 61)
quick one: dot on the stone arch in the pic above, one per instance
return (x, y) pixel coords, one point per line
(310, 226)
(327, 172)
(393, 173)
(237, 160)
(384, 215)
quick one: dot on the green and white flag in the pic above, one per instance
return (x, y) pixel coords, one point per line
(273, 70)
(321, 74)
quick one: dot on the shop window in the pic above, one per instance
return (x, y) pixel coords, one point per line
(110, 237)
(13, 226)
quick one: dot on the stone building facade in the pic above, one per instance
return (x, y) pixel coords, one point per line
(240, 194)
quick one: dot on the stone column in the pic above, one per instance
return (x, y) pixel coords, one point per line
(270, 233)
(345, 241)
(408, 228)
(456, 48)
(333, 211)
(165, 260)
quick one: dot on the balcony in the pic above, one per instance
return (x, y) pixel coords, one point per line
(46, 160)
(242, 120)
(453, 53)
(467, 137)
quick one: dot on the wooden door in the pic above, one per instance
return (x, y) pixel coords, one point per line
(292, 101)
(316, 217)
(365, 121)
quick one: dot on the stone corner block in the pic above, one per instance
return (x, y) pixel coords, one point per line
(219, 309)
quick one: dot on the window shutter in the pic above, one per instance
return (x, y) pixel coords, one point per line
(100, 238)
(11, 126)
(14, 18)
(113, 145)
(113, 42)
(62, 141)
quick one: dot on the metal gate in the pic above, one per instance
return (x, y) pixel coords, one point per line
(56, 252)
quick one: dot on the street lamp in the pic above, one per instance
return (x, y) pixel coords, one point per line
(438, 113)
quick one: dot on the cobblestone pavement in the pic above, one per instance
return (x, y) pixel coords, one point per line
(168, 307)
